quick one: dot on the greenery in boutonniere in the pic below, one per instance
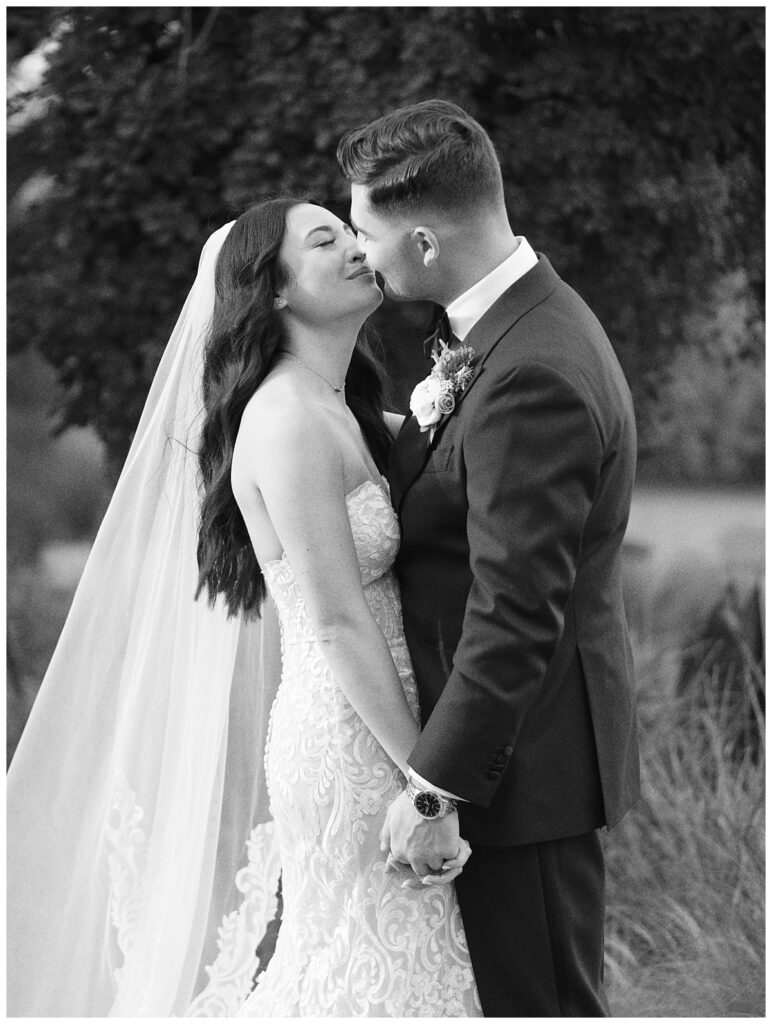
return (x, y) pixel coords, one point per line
(435, 396)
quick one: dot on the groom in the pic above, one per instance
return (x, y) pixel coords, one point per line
(513, 493)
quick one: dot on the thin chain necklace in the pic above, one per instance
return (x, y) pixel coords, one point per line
(335, 387)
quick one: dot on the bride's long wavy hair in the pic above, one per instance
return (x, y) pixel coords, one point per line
(245, 335)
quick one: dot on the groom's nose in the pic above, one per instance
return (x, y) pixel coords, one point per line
(361, 242)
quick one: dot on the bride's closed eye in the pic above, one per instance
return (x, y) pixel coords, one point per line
(347, 230)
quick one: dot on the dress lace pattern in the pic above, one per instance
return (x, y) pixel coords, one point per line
(352, 942)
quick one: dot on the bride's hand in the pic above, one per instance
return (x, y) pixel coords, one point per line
(450, 869)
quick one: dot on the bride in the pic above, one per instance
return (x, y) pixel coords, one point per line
(179, 771)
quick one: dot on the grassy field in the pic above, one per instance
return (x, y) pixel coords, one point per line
(686, 868)
(686, 883)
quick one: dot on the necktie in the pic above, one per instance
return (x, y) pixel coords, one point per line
(441, 332)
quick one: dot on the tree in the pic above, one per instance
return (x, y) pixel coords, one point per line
(630, 138)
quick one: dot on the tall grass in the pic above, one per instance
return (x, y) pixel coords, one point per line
(685, 909)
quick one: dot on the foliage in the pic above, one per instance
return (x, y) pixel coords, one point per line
(57, 489)
(631, 141)
(685, 930)
(710, 420)
(708, 417)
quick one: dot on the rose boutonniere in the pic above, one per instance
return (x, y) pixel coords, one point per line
(435, 396)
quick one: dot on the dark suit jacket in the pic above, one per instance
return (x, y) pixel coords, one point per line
(510, 572)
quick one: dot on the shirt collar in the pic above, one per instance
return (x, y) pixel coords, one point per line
(464, 312)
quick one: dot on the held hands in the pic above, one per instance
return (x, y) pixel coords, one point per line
(430, 852)
(450, 869)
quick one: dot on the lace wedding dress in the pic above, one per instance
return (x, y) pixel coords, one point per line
(352, 941)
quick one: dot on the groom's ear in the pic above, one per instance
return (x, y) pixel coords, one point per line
(427, 242)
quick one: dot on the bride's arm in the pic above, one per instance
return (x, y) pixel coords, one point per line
(302, 485)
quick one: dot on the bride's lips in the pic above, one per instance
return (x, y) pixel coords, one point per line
(359, 273)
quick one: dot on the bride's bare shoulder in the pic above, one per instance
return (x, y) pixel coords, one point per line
(275, 403)
(279, 425)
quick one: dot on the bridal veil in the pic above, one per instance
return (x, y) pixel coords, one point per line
(139, 842)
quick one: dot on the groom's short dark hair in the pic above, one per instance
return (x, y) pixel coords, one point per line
(430, 153)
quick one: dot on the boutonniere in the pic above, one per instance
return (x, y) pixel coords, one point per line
(435, 396)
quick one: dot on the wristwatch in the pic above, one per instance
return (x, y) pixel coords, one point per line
(430, 805)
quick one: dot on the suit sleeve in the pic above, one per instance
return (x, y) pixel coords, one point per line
(533, 453)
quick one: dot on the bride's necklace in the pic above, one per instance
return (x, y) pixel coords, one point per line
(337, 388)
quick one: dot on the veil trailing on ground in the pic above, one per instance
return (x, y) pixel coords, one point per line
(139, 841)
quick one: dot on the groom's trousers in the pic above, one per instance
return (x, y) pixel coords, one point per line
(533, 917)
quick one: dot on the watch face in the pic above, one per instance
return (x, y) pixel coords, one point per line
(427, 804)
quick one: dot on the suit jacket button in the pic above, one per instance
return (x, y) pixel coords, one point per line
(492, 774)
(509, 751)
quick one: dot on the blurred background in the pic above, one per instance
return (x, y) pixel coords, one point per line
(632, 145)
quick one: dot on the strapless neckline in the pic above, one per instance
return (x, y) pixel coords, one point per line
(381, 485)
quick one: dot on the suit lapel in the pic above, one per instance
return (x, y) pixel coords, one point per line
(521, 297)
(410, 452)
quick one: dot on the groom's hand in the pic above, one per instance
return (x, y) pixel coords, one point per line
(424, 845)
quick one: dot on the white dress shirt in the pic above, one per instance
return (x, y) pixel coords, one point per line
(463, 313)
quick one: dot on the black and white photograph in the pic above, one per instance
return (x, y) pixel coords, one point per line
(385, 463)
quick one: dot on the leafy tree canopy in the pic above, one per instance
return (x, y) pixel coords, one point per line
(631, 141)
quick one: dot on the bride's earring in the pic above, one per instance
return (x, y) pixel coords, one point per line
(279, 302)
